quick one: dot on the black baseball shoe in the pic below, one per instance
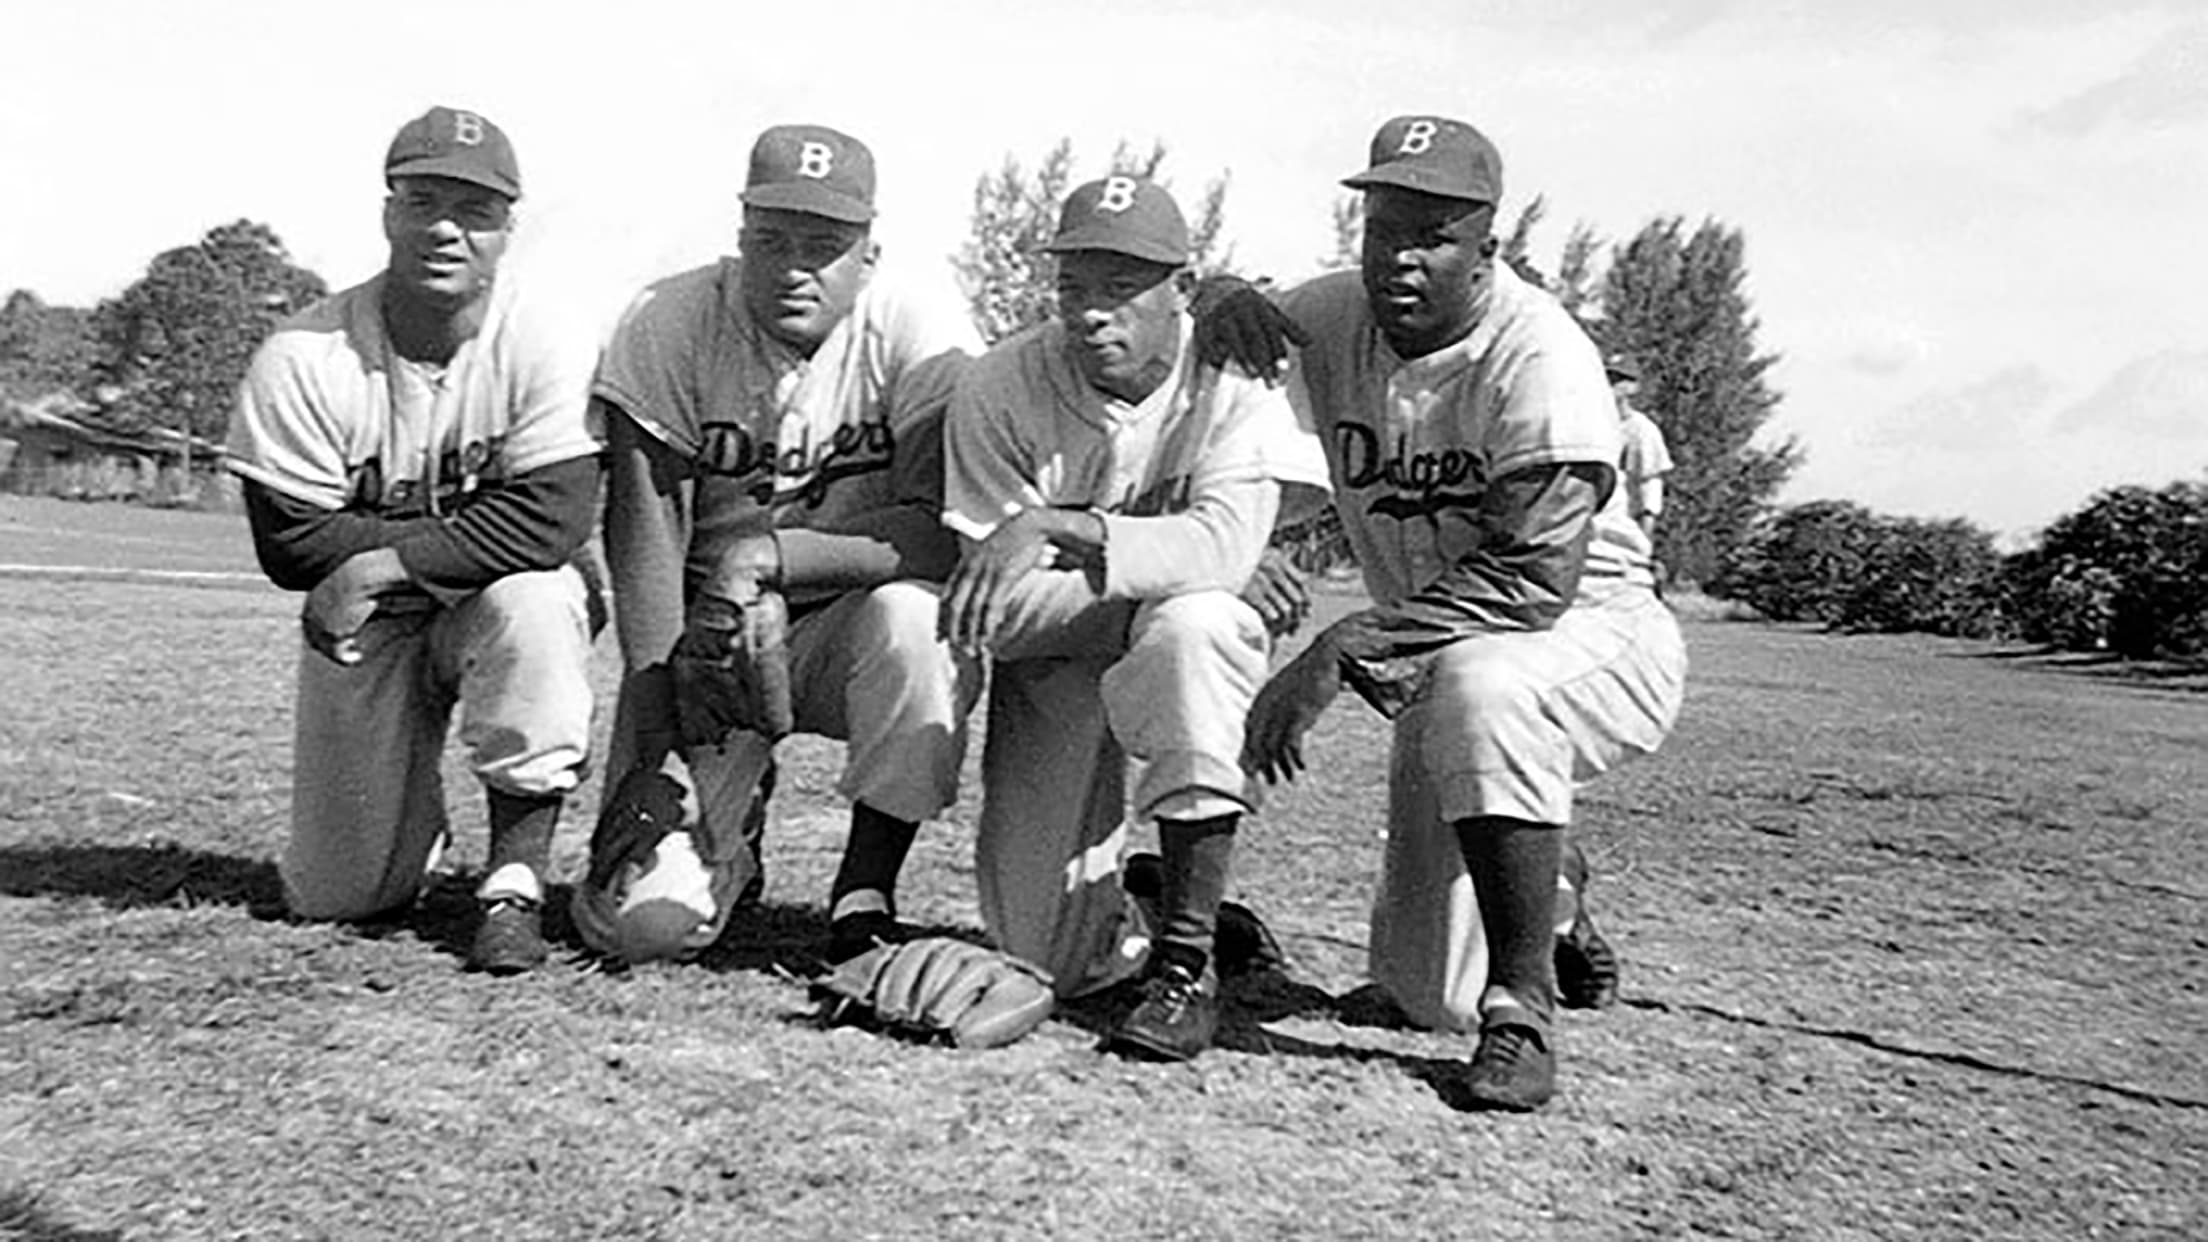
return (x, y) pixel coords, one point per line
(510, 938)
(1586, 965)
(1513, 1070)
(1242, 943)
(1178, 1015)
(854, 934)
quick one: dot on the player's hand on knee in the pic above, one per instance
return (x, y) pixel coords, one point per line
(978, 595)
(1285, 710)
(1236, 322)
(1278, 594)
(731, 670)
(340, 606)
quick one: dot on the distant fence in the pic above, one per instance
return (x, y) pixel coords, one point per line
(141, 481)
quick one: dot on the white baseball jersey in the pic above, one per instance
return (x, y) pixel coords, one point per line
(1645, 462)
(782, 439)
(1414, 443)
(1028, 431)
(330, 414)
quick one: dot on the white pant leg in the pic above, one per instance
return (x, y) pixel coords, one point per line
(868, 669)
(1054, 790)
(518, 652)
(1179, 701)
(1507, 725)
(367, 803)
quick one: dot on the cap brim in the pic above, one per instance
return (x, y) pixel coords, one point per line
(469, 171)
(1154, 252)
(813, 200)
(1407, 176)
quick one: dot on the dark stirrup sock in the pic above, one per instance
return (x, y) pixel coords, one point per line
(521, 830)
(1513, 864)
(1199, 859)
(873, 855)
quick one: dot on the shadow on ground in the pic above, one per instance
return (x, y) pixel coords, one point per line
(2186, 676)
(22, 1218)
(135, 877)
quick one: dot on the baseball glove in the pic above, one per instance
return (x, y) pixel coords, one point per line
(940, 988)
(732, 670)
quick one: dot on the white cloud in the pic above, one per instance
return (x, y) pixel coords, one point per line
(2166, 86)
(1967, 419)
(2160, 396)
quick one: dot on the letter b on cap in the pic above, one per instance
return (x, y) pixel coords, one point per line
(1418, 138)
(1118, 194)
(816, 160)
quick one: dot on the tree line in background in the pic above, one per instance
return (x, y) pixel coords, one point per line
(168, 351)
(2128, 572)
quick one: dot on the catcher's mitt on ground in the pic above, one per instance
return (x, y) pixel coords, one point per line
(732, 670)
(665, 877)
(976, 997)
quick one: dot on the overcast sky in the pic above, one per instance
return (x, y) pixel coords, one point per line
(1974, 226)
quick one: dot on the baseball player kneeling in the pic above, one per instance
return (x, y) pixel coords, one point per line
(1515, 638)
(1115, 499)
(773, 532)
(416, 457)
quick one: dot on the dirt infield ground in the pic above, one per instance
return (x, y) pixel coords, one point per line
(1915, 935)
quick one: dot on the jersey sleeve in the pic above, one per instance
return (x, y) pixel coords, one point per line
(988, 464)
(282, 434)
(549, 360)
(647, 367)
(1553, 403)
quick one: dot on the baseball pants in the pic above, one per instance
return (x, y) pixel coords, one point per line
(368, 801)
(1508, 725)
(1080, 686)
(865, 668)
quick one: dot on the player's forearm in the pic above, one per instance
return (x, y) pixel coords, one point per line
(299, 544)
(647, 540)
(531, 523)
(1214, 544)
(1535, 527)
(905, 541)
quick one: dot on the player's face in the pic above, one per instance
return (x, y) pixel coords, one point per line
(802, 273)
(1625, 389)
(1423, 259)
(446, 237)
(1122, 319)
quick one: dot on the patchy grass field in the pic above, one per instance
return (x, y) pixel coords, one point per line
(1915, 935)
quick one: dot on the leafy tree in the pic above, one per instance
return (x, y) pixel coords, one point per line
(1349, 233)
(1800, 563)
(176, 342)
(1675, 302)
(1575, 284)
(1926, 576)
(1001, 263)
(1516, 246)
(42, 348)
(2128, 571)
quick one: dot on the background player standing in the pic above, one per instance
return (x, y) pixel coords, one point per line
(1647, 459)
(1116, 497)
(775, 433)
(415, 456)
(1515, 638)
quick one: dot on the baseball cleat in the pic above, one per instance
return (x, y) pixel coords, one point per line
(1513, 1069)
(854, 934)
(1177, 1016)
(1242, 943)
(510, 938)
(1586, 967)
